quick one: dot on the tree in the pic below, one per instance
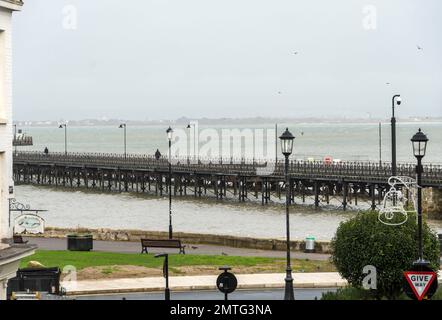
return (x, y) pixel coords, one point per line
(364, 240)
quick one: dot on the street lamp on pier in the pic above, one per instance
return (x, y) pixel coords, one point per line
(169, 132)
(396, 100)
(65, 126)
(419, 141)
(287, 148)
(123, 126)
(194, 138)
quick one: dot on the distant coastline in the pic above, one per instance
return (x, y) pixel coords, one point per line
(218, 121)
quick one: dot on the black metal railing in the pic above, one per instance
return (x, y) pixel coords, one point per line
(22, 141)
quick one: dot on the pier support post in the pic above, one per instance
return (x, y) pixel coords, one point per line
(316, 190)
(345, 195)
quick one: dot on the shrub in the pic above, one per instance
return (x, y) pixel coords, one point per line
(347, 293)
(364, 240)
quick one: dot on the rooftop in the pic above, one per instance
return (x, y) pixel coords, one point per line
(11, 4)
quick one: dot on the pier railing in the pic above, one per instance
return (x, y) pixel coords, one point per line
(361, 171)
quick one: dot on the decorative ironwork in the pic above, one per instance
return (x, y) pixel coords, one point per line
(15, 206)
(395, 203)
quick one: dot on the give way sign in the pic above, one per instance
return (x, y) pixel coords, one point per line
(420, 282)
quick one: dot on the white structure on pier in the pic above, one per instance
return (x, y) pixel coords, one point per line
(10, 255)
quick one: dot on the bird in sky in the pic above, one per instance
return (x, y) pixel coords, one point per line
(419, 47)
(387, 83)
(296, 52)
(279, 92)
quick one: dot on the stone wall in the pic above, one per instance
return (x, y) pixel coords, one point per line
(190, 238)
(432, 203)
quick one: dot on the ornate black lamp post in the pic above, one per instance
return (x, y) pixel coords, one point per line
(287, 148)
(395, 100)
(419, 141)
(65, 125)
(169, 132)
(123, 126)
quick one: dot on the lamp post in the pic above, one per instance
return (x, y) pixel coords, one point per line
(165, 273)
(395, 100)
(15, 138)
(380, 144)
(65, 125)
(194, 138)
(123, 126)
(287, 148)
(419, 141)
(169, 132)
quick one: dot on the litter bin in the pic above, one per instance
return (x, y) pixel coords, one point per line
(80, 242)
(31, 280)
(309, 244)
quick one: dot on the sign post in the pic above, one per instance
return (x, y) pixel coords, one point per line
(420, 283)
(226, 282)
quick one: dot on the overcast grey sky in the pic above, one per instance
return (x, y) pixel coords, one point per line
(163, 59)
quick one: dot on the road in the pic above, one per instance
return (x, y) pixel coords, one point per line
(264, 294)
(203, 249)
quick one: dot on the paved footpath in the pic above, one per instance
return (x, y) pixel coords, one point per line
(204, 249)
(256, 281)
(187, 283)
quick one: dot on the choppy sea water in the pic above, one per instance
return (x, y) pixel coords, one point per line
(78, 208)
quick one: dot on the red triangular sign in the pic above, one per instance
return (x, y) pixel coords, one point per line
(420, 282)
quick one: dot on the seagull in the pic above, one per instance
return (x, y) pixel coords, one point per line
(279, 92)
(387, 83)
(296, 52)
(419, 48)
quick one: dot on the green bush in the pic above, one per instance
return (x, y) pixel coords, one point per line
(363, 240)
(347, 293)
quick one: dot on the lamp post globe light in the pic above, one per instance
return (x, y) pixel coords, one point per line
(65, 126)
(396, 100)
(169, 132)
(123, 126)
(287, 148)
(419, 141)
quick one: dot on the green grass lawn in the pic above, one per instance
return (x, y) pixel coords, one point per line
(81, 260)
(91, 259)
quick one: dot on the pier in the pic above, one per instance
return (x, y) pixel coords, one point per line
(339, 184)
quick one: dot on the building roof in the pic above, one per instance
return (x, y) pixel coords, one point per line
(11, 4)
(18, 2)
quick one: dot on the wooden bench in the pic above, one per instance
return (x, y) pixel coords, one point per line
(18, 239)
(169, 243)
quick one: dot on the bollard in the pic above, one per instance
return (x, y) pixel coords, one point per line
(309, 244)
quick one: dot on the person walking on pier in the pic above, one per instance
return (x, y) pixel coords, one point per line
(46, 151)
(157, 154)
